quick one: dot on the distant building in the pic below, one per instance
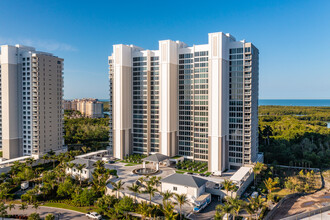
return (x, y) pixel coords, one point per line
(85, 173)
(199, 101)
(91, 108)
(31, 115)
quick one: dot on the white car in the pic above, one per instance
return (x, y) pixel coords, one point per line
(93, 215)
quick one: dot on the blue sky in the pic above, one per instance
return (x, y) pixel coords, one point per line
(293, 37)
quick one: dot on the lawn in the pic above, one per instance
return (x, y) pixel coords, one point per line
(180, 172)
(281, 192)
(131, 164)
(74, 208)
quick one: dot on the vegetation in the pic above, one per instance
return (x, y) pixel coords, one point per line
(295, 136)
(134, 159)
(82, 131)
(192, 166)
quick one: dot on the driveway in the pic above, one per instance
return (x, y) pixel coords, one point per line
(208, 212)
(43, 211)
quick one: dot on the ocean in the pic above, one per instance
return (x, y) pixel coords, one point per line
(286, 102)
(295, 102)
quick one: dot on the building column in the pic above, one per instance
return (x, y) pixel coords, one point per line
(218, 102)
(168, 97)
(122, 100)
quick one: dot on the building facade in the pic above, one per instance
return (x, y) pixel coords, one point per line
(91, 108)
(200, 102)
(31, 102)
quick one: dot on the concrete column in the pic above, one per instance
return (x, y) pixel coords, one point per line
(144, 164)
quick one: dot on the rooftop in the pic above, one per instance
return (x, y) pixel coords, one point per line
(89, 164)
(156, 158)
(185, 180)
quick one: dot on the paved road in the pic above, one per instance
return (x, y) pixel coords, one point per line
(43, 211)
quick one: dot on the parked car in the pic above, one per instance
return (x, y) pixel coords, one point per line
(254, 194)
(93, 215)
(190, 173)
(24, 185)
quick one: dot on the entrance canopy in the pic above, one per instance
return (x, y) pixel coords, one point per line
(156, 158)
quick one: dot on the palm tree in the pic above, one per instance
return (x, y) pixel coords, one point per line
(166, 196)
(255, 204)
(30, 161)
(228, 185)
(169, 211)
(45, 157)
(257, 169)
(117, 187)
(23, 206)
(268, 131)
(11, 206)
(36, 206)
(225, 209)
(85, 149)
(249, 209)
(151, 190)
(143, 209)
(270, 184)
(135, 189)
(237, 205)
(181, 199)
(80, 167)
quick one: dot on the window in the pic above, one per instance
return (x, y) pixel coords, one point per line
(175, 188)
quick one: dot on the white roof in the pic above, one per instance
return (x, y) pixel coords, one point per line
(15, 159)
(240, 174)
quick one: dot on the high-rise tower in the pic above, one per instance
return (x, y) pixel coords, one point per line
(200, 102)
(31, 101)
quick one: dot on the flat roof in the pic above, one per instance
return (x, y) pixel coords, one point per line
(202, 197)
(91, 153)
(15, 159)
(241, 173)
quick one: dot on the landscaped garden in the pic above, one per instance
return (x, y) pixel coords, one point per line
(133, 159)
(192, 167)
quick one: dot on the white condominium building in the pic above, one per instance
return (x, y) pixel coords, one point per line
(31, 96)
(200, 101)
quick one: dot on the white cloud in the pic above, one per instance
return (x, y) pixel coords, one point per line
(47, 45)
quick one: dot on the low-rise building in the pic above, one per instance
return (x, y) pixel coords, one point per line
(85, 173)
(190, 185)
(91, 108)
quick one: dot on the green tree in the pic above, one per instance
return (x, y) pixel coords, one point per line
(169, 211)
(135, 189)
(257, 169)
(236, 204)
(50, 217)
(117, 187)
(23, 206)
(270, 184)
(181, 200)
(151, 191)
(3, 210)
(34, 216)
(166, 196)
(224, 209)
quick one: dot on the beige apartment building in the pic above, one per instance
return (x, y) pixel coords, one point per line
(31, 102)
(199, 101)
(91, 108)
